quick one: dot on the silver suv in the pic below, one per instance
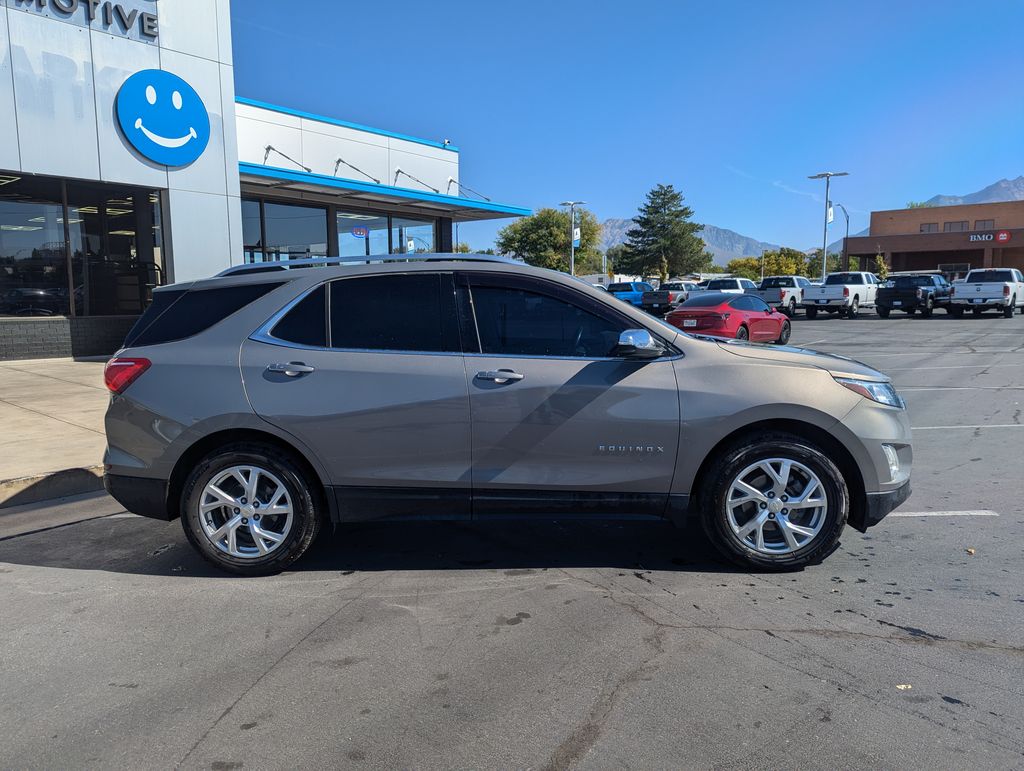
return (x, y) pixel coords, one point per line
(260, 404)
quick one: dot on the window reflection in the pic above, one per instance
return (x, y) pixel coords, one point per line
(295, 232)
(360, 235)
(411, 236)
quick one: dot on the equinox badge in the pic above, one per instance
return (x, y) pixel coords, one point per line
(630, 449)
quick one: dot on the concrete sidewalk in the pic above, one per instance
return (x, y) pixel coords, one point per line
(52, 441)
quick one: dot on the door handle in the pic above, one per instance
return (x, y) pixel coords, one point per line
(500, 375)
(291, 368)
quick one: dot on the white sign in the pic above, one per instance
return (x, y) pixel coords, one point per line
(831, 215)
(981, 237)
(410, 247)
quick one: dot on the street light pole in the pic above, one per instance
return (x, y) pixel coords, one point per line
(827, 175)
(572, 231)
(846, 258)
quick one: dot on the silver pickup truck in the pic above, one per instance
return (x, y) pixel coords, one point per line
(785, 293)
(1000, 288)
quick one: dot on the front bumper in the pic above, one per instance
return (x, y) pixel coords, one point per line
(878, 505)
(139, 495)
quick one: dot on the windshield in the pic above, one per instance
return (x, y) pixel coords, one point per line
(724, 283)
(981, 276)
(706, 300)
(844, 278)
(776, 283)
(910, 282)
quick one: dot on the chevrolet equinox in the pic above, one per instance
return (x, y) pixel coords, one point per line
(271, 399)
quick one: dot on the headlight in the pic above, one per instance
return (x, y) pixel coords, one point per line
(883, 393)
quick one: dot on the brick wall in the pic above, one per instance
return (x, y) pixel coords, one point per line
(61, 336)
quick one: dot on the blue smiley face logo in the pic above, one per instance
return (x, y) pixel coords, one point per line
(163, 118)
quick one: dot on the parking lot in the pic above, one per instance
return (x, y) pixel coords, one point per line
(557, 645)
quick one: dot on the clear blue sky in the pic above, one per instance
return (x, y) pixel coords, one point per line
(734, 103)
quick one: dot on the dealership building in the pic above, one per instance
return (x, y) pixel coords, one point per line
(953, 239)
(127, 161)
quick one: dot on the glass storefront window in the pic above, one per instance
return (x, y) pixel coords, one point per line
(252, 233)
(116, 249)
(294, 232)
(360, 235)
(410, 236)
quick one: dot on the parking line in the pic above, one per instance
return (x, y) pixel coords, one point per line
(985, 425)
(960, 388)
(974, 513)
(953, 366)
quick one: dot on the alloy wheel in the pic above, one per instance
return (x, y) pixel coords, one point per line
(776, 506)
(245, 511)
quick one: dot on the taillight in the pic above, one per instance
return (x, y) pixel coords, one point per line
(919, 293)
(782, 294)
(1006, 290)
(846, 291)
(122, 372)
(952, 291)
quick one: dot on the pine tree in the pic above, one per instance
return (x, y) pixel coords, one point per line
(664, 240)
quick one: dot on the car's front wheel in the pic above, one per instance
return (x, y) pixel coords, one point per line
(775, 502)
(250, 509)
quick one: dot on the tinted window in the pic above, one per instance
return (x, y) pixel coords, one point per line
(990, 276)
(910, 282)
(645, 287)
(776, 283)
(723, 283)
(742, 303)
(519, 322)
(803, 282)
(306, 323)
(706, 300)
(844, 278)
(757, 304)
(620, 287)
(188, 313)
(672, 285)
(394, 313)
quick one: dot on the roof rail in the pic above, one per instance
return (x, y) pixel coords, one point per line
(273, 265)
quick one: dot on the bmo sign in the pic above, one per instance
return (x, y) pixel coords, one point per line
(1002, 237)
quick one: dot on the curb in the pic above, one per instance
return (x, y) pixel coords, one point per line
(56, 484)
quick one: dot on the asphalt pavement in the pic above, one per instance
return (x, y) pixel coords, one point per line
(554, 645)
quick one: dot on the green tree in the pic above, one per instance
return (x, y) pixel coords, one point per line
(745, 267)
(881, 267)
(462, 248)
(664, 240)
(616, 256)
(813, 271)
(542, 239)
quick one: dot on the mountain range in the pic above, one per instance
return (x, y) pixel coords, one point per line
(727, 244)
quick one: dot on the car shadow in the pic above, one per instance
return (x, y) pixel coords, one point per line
(135, 545)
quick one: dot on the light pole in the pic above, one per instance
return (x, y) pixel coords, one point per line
(827, 176)
(846, 259)
(572, 230)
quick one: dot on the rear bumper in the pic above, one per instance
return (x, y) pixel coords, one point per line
(878, 505)
(139, 495)
(827, 304)
(981, 302)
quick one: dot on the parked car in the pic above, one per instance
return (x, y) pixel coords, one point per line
(842, 293)
(913, 292)
(1000, 288)
(736, 317)
(785, 293)
(631, 292)
(730, 285)
(479, 388)
(666, 297)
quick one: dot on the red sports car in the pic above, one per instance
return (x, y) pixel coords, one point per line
(735, 316)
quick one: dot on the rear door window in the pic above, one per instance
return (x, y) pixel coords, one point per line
(402, 312)
(306, 323)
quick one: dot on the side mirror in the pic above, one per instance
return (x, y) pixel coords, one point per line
(638, 344)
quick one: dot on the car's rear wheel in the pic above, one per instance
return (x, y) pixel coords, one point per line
(791, 308)
(812, 313)
(929, 306)
(775, 502)
(1008, 310)
(784, 333)
(250, 509)
(882, 311)
(854, 309)
(742, 334)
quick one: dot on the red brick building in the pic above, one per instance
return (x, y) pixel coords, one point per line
(953, 239)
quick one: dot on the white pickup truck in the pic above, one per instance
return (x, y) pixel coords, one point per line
(783, 292)
(1001, 288)
(845, 293)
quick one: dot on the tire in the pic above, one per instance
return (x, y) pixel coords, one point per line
(956, 311)
(812, 468)
(791, 308)
(882, 311)
(1008, 310)
(854, 309)
(812, 313)
(928, 309)
(742, 334)
(277, 470)
(784, 333)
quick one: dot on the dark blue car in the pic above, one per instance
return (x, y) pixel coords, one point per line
(630, 291)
